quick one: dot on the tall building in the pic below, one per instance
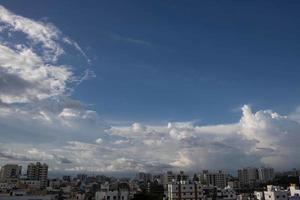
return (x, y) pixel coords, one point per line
(39, 172)
(144, 177)
(82, 177)
(248, 176)
(10, 173)
(182, 176)
(265, 174)
(168, 178)
(218, 179)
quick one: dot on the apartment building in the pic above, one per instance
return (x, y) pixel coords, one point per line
(185, 191)
(38, 171)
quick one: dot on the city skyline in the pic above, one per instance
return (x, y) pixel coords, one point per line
(140, 86)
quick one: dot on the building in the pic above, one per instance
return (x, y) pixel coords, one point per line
(144, 177)
(112, 195)
(82, 177)
(10, 173)
(182, 176)
(265, 174)
(38, 172)
(168, 178)
(66, 178)
(28, 197)
(34, 184)
(248, 177)
(294, 191)
(108, 193)
(217, 179)
(182, 190)
(258, 195)
(227, 194)
(275, 193)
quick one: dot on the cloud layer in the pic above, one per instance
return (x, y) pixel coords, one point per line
(74, 136)
(40, 121)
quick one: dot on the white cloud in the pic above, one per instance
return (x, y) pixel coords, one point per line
(99, 140)
(38, 121)
(37, 31)
(262, 137)
(30, 51)
(25, 77)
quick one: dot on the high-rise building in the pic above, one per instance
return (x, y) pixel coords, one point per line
(168, 178)
(248, 176)
(265, 174)
(39, 172)
(144, 177)
(182, 176)
(82, 177)
(10, 173)
(218, 179)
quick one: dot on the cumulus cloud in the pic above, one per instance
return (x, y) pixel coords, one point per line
(25, 77)
(40, 122)
(258, 138)
(261, 138)
(34, 87)
(30, 54)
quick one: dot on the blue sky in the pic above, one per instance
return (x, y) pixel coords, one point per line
(181, 60)
(188, 83)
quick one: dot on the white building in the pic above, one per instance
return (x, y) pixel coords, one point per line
(294, 191)
(258, 195)
(184, 191)
(275, 193)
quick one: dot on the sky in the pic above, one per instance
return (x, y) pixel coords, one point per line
(149, 85)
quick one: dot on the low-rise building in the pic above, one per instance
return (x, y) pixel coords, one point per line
(112, 195)
(294, 190)
(275, 193)
(183, 190)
